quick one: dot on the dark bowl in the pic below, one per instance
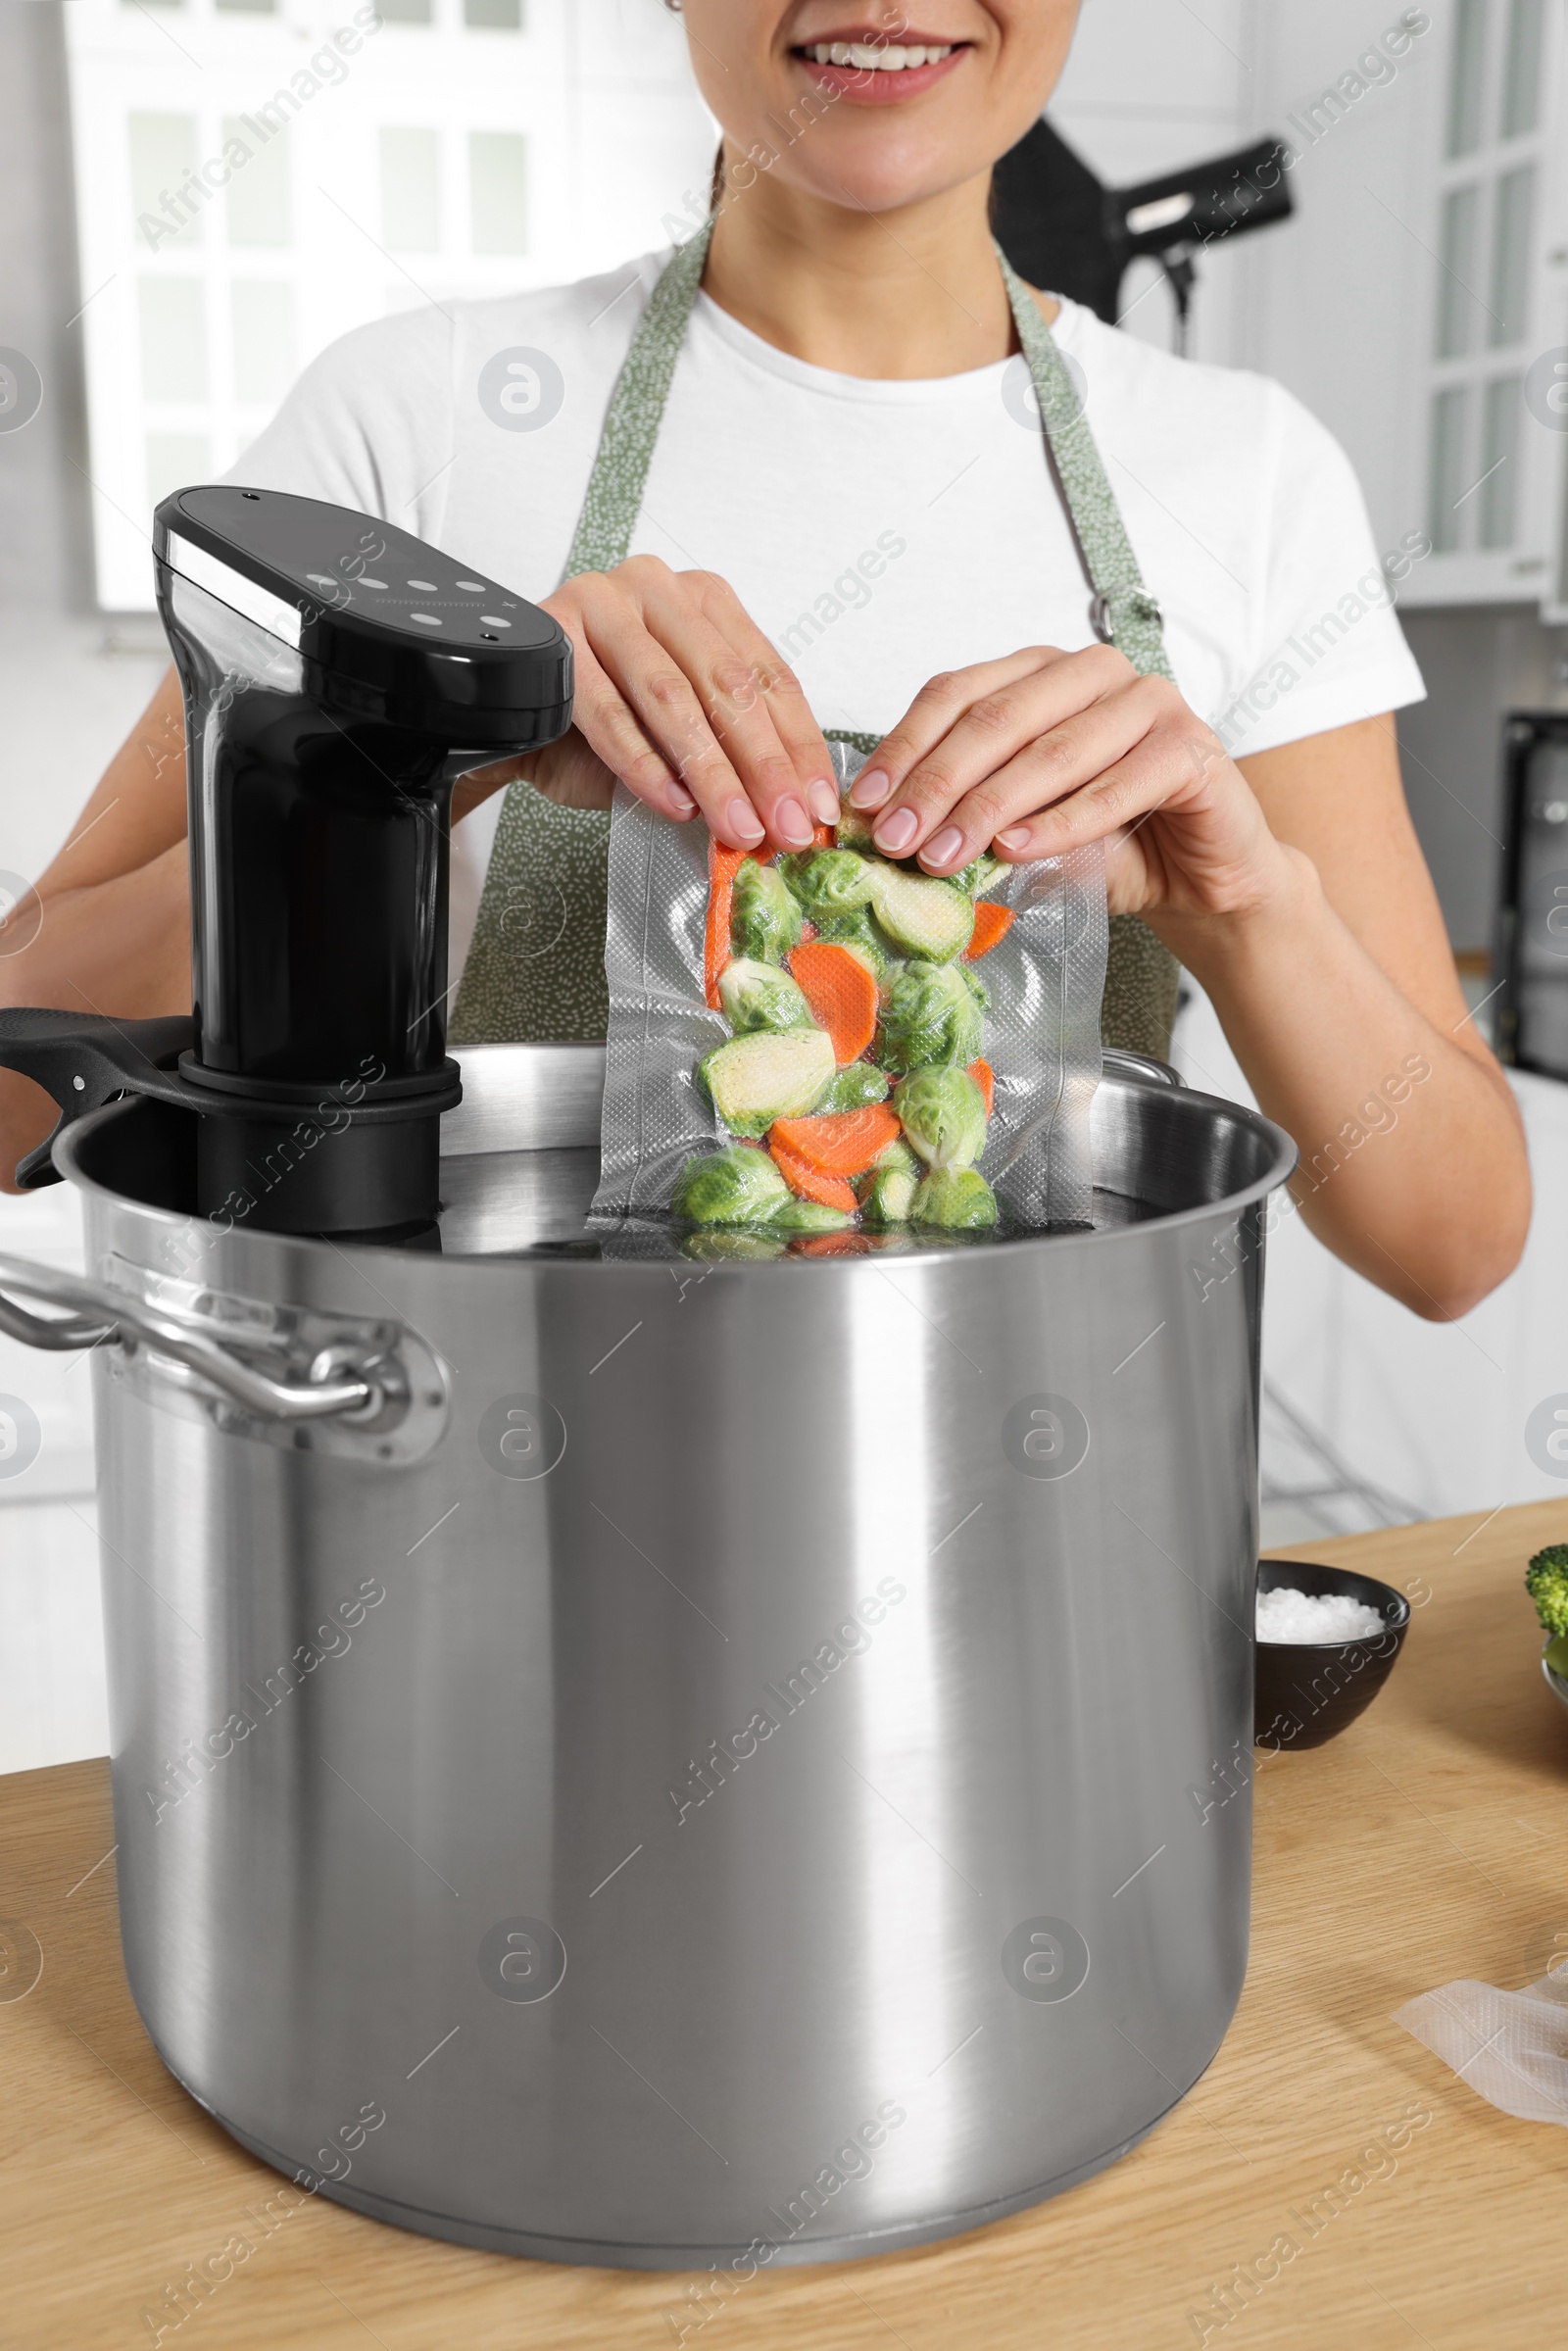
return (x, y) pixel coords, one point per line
(1306, 1692)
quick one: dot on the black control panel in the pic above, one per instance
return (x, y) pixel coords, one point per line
(374, 608)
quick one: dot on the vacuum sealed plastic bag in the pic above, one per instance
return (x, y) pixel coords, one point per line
(1509, 2046)
(807, 1042)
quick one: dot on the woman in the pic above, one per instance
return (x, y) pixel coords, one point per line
(839, 464)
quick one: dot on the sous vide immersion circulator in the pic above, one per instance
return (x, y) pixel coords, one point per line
(338, 676)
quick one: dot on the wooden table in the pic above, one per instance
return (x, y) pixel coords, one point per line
(1429, 1841)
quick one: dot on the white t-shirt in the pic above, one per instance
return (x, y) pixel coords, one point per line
(876, 531)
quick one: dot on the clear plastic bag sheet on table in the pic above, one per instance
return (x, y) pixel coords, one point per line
(1041, 1034)
(1509, 2046)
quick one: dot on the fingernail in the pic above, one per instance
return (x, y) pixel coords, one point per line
(870, 790)
(681, 802)
(897, 831)
(792, 823)
(824, 801)
(741, 818)
(944, 849)
(1016, 835)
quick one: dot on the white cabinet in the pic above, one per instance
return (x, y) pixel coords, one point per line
(1420, 302)
(1433, 1413)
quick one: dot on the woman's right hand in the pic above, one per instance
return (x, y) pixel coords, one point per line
(681, 697)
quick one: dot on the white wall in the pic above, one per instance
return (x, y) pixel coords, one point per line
(1336, 297)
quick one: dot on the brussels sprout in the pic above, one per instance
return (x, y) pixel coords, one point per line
(857, 932)
(717, 1244)
(807, 1216)
(759, 996)
(924, 917)
(978, 877)
(928, 1016)
(854, 1088)
(977, 986)
(737, 1186)
(957, 1197)
(828, 881)
(888, 1191)
(854, 829)
(752, 1080)
(765, 920)
(944, 1116)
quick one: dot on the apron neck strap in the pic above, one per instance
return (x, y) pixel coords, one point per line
(1121, 610)
(615, 494)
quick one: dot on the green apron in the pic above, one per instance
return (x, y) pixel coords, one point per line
(536, 967)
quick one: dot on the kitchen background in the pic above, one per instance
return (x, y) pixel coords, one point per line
(1417, 302)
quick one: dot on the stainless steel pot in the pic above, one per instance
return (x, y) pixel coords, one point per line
(667, 1763)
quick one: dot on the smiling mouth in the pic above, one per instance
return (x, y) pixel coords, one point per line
(878, 56)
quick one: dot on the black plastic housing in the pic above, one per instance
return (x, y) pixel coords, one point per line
(324, 730)
(338, 674)
(1529, 943)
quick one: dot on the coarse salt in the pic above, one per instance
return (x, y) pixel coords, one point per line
(1289, 1615)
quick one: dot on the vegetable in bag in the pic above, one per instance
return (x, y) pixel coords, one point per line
(804, 1043)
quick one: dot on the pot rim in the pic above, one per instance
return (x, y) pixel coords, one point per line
(1283, 1159)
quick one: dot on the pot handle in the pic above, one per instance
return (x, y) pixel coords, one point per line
(339, 1384)
(1125, 1064)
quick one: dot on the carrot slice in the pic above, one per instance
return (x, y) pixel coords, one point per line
(823, 836)
(991, 923)
(810, 1183)
(838, 1143)
(840, 993)
(985, 1078)
(722, 866)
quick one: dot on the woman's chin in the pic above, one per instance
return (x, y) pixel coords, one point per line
(875, 172)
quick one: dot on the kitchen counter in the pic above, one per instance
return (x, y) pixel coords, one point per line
(1427, 1842)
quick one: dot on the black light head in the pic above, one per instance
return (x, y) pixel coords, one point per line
(1221, 198)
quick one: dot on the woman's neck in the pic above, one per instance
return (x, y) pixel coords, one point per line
(912, 293)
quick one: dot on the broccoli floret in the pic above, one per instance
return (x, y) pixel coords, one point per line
(1547, 1582)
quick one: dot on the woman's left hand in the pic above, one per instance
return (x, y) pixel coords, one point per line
(1045, 752)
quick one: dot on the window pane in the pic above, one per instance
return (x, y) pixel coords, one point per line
(174, 338)
(1513, 211)
(498, 182)
(1465, 67)
(1449, 421)
(261, 322)
(163, 150)
(1458, 258)
(495, 16)
(1499, 461)
(404, 12)
(1521, 72)
(174, 461)
(411, 190)
(258, 192)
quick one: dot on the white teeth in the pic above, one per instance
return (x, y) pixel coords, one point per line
(866, 57)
